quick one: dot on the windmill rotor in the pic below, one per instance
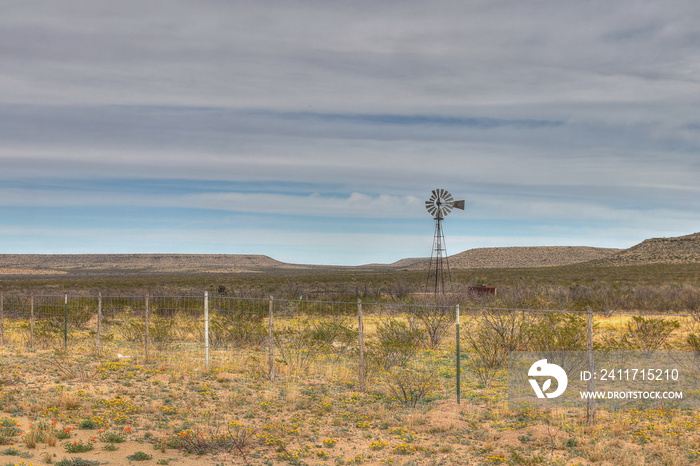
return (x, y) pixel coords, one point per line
(441, 203)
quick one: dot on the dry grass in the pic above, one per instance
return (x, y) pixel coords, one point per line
(313, 412)
(179, 413)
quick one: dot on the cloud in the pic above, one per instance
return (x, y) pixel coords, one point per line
(392, 151)
(359, 57)
(552, 112)
(356, 205)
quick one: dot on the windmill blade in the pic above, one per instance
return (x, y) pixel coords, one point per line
(430, 206)
(458, 205)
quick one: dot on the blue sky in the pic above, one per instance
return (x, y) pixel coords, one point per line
(313, 131)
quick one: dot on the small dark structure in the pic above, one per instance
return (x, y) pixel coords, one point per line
(477, 291)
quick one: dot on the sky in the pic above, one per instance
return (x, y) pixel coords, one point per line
(313, 131)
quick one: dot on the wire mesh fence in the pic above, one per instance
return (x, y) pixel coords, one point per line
(283, 340)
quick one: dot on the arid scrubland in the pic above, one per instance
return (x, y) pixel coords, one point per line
(330, 392)
(72, 405)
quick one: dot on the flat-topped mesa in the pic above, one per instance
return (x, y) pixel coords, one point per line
(525, 257)
(76, 263)
(674, 250)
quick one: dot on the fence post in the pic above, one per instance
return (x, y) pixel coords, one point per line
(148, 336)
(361, 341)
(206, 330)
(457, 356)
(99, 324)
(2, 319)
(271, 342)
(65, 322)
(31, 323)
(590, 403)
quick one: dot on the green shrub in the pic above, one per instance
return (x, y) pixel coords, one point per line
(396, 345)
(237, 329)
(161, 331)
(113, 437)
(78, 446)
(11, 452)
(495, 335)
(8, 429)
(77, 462)
(333, 335)
(411, 386)
(437, 321)
(132, 329)
(87, 424)
(139, 456)
(555, 331)
(693, 340)
(645, 333)
(297, 347)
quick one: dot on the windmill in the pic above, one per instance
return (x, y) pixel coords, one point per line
(439, 205)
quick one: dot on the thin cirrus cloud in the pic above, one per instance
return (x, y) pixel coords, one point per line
(356, 205)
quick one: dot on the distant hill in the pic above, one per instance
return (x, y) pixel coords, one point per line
(679, 250)
(403, 263)
(16, 264)
(675, 250)
(523, 257)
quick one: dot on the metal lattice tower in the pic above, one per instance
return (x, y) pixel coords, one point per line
(439, 205)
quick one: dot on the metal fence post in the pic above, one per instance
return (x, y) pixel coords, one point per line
(206, 330)
(148, 324)
(2, 319)
(457, 357)
(99, 324)
(361, 341)
(271, 342)
(31, 323)
(65, 322)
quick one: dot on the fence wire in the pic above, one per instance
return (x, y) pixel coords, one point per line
(347, 342)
